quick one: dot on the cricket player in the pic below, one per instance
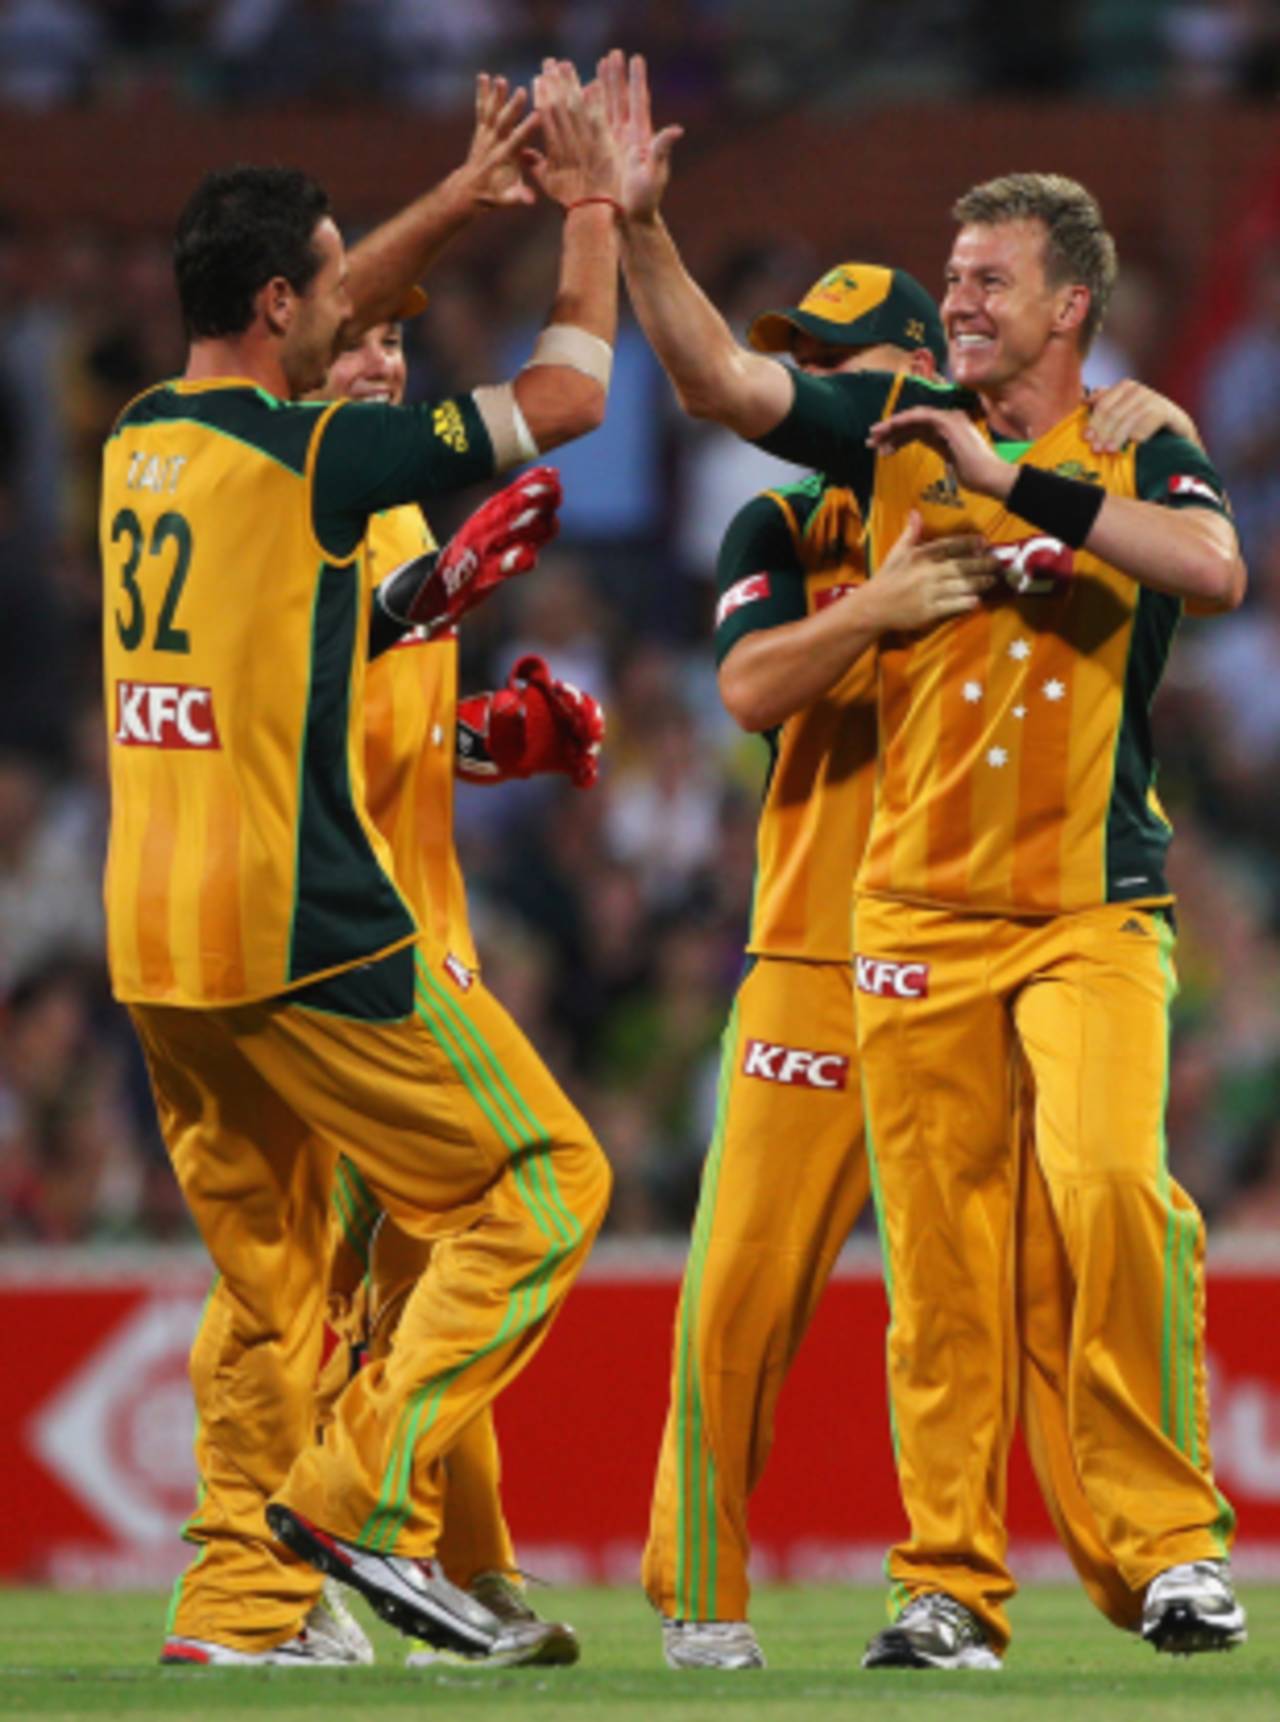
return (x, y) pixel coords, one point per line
(283, 992)
(794, 648)
(1012, 902)
(411, 756)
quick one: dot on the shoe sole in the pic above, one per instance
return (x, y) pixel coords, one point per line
(197, 1656)
(416, 1617)
(1180, 1631)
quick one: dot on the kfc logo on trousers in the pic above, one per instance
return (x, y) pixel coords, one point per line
(886, 980)
(165, 714)
(793, 1066)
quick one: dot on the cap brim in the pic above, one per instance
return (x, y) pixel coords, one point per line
(773, 333)
(413, 303)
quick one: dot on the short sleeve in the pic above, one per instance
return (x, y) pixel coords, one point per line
(372, 457)
(759, 579)
(1175, 473)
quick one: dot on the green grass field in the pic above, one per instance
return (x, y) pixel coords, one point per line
(81, 1655)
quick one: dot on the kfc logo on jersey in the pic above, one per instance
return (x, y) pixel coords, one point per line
(165, 714)
(1187, 486)
(744, 592)
(1035, 564)
(794, 1067)
(831, 593)
(886, 980)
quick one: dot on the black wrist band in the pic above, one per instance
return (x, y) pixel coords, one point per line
(1066, 507)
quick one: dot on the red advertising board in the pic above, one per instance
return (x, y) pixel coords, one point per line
(95, 1426)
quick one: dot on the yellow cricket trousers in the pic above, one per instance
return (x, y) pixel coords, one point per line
(784, 1180)
(461, 1134)
(944, 1003)
(474, 1536)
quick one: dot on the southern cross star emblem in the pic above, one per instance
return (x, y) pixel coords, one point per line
(1054, 689)
(972, 692)
(915, 329)
(997, 756)
(1019, 711)
(1020, 649)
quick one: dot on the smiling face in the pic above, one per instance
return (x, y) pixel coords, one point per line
(373, 370)
(1001, 311)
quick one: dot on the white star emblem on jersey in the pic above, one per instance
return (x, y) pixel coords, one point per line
(1020, 649)
(1019, 711)
(997, 756)
(972, 692)
(1054, 689)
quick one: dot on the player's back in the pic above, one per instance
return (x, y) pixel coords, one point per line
(241, 859)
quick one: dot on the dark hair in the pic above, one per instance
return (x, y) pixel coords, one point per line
(242, 227)
(1078, 247)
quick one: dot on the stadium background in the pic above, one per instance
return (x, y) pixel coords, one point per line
(610, 922)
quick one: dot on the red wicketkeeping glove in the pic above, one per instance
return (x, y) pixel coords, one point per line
(501, 539)
(534, 724)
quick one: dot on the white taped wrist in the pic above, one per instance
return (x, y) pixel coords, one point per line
(566, 344)
(507, 426)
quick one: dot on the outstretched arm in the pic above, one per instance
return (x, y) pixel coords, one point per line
(396, 254)
(713, 376)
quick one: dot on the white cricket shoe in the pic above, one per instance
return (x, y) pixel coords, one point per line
(303, 1650)
(333, 1624)
(711, 1644)
(414, 1596)
(1192, 1607)
(527, 1641)
(932, 1631)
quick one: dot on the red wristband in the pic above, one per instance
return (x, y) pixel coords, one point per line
(580, 202)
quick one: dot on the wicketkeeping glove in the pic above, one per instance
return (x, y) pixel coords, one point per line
(532, 725)
(501, 539)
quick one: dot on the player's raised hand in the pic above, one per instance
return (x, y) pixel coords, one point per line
(577, 159)
(954, 436)
(503, 131)
(645, 158)
(921, 583)
(1130, 412)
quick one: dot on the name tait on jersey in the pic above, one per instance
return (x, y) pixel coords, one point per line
(165, 714)
(155, 472)
(884, 979)
(794, 1067)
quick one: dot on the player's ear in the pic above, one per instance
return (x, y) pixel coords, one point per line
(923, 364)
(275, 303)
(1074, 301)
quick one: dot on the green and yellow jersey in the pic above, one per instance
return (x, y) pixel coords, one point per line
(411, 721)
(243, 860)
(787, 554)
(1016, 767)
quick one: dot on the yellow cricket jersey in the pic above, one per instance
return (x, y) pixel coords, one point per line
(411, 713)
(1016, 765)
(242, 859)
(787, 554)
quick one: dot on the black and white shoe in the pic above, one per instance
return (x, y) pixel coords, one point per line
(1192, 1607)
(932, 1631)
(413, 1596)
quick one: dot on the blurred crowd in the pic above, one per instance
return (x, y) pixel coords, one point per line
(704, 54)
(611, 921)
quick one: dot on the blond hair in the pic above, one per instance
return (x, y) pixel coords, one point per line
(1077, 247)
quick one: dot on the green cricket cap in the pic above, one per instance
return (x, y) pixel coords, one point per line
(857, 305)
